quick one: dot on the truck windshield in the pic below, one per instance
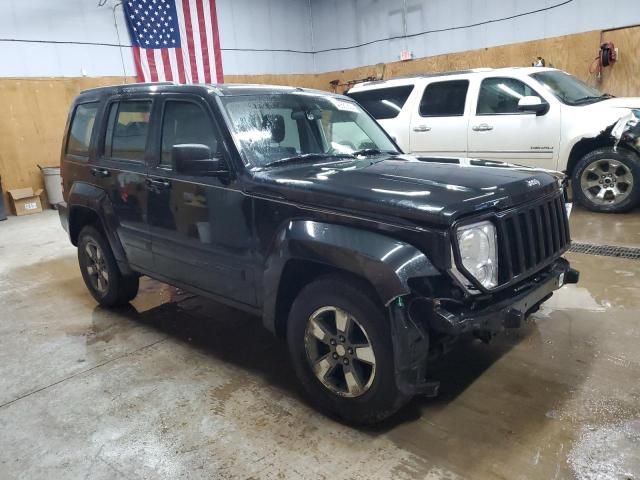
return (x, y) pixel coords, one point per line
(270, 130)
(569, 89)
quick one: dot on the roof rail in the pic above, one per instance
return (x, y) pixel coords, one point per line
(429, 75)
(128, 85)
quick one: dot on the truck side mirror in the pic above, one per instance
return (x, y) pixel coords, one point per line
(533, 104)
(196, 159)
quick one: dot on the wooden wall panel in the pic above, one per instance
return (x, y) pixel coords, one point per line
(34, 112)
(572, 53)
(623, 78)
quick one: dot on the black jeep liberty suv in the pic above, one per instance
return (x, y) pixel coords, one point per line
(295, 205)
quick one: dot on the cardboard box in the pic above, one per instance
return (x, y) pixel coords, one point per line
(25, 201)
(3, 214)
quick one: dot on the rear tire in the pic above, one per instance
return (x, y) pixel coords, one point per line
(100, 271)
(607, 180)
(349, 373)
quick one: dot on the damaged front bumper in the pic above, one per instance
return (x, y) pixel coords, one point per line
(411, 328)
(509, 312)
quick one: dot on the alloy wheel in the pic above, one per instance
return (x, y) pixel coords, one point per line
(606, 182)
(96, 267)
(339, 352)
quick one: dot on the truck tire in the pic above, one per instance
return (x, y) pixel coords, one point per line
(340, 344)
(100, 271)
(607, 180)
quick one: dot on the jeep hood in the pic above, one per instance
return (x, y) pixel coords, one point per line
(418, 190)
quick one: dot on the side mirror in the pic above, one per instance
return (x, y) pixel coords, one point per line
(533, 104)
(196, 159)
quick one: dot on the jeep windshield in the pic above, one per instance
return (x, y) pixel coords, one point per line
(277, 129)
(569, 89)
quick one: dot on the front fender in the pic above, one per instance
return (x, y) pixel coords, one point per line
(627, 131)
(385, 262)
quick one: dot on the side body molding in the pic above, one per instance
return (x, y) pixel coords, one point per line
(85, 197)
(387, 263)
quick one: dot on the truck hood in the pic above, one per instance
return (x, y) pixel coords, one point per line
(417, 190)
(616, 102)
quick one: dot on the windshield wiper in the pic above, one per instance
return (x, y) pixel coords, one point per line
(373, 151)
(590, 98)
(306, 157)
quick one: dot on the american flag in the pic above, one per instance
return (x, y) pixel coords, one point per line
(175, 40)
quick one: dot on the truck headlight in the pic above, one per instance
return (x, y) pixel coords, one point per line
(477, 247)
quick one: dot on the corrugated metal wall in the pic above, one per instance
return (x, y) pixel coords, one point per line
(255, 34)
(342, 23)
(73, 38)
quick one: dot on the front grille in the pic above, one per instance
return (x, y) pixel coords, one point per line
(530, 237)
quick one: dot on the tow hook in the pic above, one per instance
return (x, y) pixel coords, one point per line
(571, 276)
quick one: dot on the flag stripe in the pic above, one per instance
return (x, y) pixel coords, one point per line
(184, 49)
(173, 65)
(151, 60)
(157, 57)
(217, 53)
(203, 39)
(180, 62)
(188, 28)
(168, 74)
(197, 47)
(146, 73)
(210, 66)
(137, 61)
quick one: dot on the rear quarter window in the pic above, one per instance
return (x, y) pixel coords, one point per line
(82, 122)
(383, 103)
(444, 99)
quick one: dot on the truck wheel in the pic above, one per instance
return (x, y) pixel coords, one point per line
(607, 180)
(100, 271)
(340, 345)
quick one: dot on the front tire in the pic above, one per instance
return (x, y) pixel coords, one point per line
(340, 345)
(607, 180)
(100, 271)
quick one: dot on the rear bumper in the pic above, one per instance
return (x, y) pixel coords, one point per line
(509, 312)
(63, 212)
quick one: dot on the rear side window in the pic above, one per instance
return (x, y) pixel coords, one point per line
(501, 95)
(82, 122)
(127, 130)
(185, 122)
(444, 99)
(383, 103)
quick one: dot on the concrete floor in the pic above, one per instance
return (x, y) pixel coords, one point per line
(179, 387)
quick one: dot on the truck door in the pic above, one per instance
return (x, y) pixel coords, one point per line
(439, 121)
(200, 225)
(499, 131)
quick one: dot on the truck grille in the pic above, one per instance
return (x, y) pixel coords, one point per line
(531, 237)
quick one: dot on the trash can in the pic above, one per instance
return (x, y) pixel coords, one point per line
(52, 184)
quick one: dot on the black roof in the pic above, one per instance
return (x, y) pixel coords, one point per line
(223, 90)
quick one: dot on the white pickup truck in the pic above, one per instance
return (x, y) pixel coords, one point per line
(537, 117)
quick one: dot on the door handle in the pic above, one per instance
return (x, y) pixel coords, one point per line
(421, 128)
(483, 127)
(100, 172)
(160, 183)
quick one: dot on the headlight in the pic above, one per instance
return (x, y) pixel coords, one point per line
(477, 244)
